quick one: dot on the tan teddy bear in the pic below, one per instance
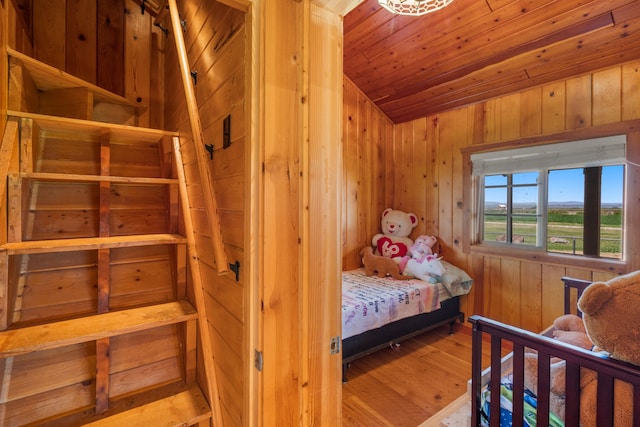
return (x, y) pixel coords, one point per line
(611, 313)
(604, 305)
(380, 266)
(570, 329)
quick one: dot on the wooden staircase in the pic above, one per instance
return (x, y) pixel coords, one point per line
(96, 324)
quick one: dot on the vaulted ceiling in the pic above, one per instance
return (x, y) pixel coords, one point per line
(475, 50)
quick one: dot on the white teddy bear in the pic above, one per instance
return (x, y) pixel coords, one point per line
(394, 241)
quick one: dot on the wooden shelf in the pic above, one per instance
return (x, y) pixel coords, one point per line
(91, 243)
(182, 409)
(117, 133)
(47, 78)
(93, 178)
(59, 334)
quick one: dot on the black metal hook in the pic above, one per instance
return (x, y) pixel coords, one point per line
(164, 30)
(235, 267)
(209, 148)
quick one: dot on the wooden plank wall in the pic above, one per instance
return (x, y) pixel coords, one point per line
(423, 173)
(109, 43)
(215, 40)
(19, 25)
(367, 178)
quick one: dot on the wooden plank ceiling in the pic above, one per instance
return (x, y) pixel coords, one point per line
(474, 50)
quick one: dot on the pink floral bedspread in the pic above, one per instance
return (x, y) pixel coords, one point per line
(369, 302)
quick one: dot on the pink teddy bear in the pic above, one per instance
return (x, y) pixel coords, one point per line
(422, 261)
(421, 249)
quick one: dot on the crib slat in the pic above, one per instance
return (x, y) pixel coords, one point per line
(572, 390)
(544, 371)
(604, 411)
(494, 384)
(518, 385)
(636, 404)
(476, 374)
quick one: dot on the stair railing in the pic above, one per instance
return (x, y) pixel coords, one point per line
(210, 208)
(210, 203)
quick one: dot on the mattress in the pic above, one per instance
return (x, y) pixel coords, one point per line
(369, 302)
(506, 406)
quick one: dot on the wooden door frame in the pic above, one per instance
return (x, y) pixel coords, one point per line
(294, 209)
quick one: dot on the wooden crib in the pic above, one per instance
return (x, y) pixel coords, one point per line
(607, 370)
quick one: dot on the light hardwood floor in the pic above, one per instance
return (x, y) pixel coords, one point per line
(405, 385)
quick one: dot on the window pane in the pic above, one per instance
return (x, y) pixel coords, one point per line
(565, 215)
(525, 199)
(495, 199)
(495, 208)
(495, 228)
(524, 230)
(490, 180)
(525, 178)
(566, 188)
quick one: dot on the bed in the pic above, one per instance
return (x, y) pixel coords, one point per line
(487, 405)
(381, 312)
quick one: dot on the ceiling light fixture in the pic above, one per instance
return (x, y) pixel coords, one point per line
(414, 7)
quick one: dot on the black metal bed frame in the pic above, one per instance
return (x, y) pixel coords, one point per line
(393, 333)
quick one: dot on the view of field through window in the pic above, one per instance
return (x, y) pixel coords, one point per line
(512, 201)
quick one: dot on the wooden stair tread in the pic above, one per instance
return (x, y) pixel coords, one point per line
(117, 132)
(183, 409)
(46, 77)
(15, 342)
(43, 176)
(91, 243)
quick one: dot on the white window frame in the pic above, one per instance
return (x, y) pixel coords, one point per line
(594, 152)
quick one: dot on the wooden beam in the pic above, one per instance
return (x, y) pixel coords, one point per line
(103, 367)
(444, 73)
(104, 267)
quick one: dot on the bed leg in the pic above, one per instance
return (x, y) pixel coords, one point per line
(453, 322)
(345, 366)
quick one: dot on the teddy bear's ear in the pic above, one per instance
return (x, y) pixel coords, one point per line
(414, 219)
(593, 297)
(569, 322)
(436, 248)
